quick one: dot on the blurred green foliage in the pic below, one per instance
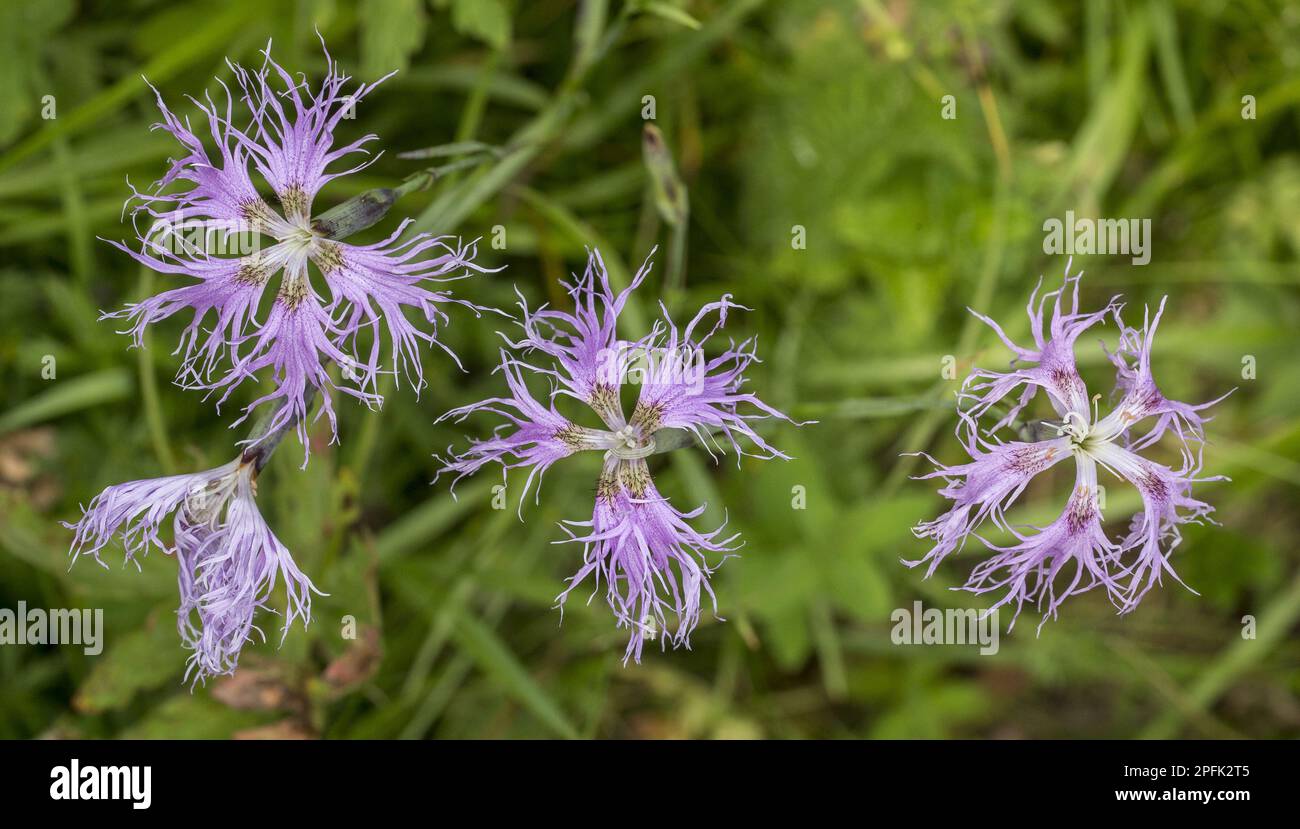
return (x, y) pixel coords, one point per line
(821, 115)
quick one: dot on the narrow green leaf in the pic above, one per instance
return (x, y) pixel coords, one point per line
(671, 13)
(454, 148)
(69, 396)
(491, 654)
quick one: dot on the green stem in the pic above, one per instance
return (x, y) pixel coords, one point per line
(265, 437)
(153, 413)
(74, 205)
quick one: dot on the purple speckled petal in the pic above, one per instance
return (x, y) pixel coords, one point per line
(228, 289)
(582, 343)
(683, 389)
(228, 567)
(1072, 555)
(1053, 366)
(135, 511)
(292, 136)
(1167, 504)
(380, 281)
(534, 436)
(982, 489)
(298, 332)
(1142, 397)
(223, 194)
(652, 562)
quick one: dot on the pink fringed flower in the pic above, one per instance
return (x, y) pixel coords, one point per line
(1073, 554)
(288, 138)
(652, 561)
(228, 559)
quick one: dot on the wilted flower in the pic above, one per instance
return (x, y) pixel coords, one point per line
(651, 560)
(228, 560)
(1073, 554)
(289, 139)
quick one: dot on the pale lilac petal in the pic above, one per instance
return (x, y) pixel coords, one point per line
(1167, 504)
(382, 281)
(582, 343)
(1070, 556)
(292, 136)
(228, 567)
(683, 389)
(1142, 397)
(134, 511)
(652, 562)
(223, 195)
(1048, 365)
(295, 343)
(982, 489)
(228, 289)
(228, 560)
(534, 435)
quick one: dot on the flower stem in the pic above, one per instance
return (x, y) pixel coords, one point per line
(153, 413)
(265, 436)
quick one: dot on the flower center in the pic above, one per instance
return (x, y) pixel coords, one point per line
(1083, 436)
(205, 501)
(1076, 426)
(301, 239)
(628, 444)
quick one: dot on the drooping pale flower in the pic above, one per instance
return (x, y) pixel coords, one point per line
(261, 309)
(652, 561)
(1073, 554)
(228, 560)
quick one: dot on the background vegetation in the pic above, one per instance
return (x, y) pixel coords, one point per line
(819, 114)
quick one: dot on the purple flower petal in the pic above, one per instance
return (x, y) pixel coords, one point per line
(584, 343)
(534, 436)
(1166, 505)
(652, 562)
(290, 143)
(1072, 555)
(1053, 366)
(1142, 397)
(228, 559)
(982, 489)
(292, 146)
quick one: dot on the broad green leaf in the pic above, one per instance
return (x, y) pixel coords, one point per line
(391, 32)
(486, 20)
(193, 716)
(142, 659)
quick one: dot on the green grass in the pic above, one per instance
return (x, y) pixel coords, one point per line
(823, 115)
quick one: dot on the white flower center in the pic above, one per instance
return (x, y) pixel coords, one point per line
(628, 445)
(301, 239)
(1084, 436)
(1076, 426)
